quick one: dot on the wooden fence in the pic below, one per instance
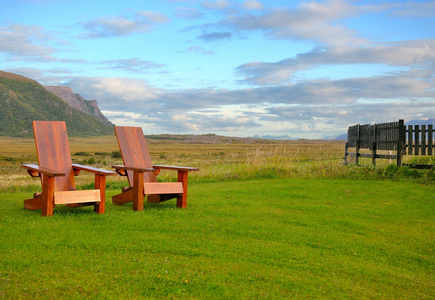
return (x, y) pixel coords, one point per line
(394, 137)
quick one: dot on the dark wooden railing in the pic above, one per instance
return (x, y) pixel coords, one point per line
(420, 140)
(394, 137)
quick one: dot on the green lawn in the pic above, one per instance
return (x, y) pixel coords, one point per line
(253, 239)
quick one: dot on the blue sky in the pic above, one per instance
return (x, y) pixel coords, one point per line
(306, 69)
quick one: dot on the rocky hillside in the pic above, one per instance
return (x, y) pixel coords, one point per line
(23, 100)
(89, 107)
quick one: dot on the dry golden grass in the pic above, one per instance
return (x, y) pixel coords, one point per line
(216, 160)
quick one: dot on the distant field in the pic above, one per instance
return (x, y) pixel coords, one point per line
(222, 158)
(219, 158)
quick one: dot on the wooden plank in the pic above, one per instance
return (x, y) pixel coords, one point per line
(130, 168)
(175, 168)
(47, 195)
(430, 133)
(417, 140)
(34, 203)
(120, 170)
(410, 140)
(346, 153)
(182, 199)
(163, 188)
(65, 197)
(358, 143)
(138, 190)
(52, 149)
(401, 140)
(94, 170)
(374, 145)
(134, 151)
(100, 184)
(35, 171)
(423, 139)
(124, 197)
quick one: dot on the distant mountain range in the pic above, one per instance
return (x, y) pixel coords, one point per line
(23, 100)
(421, 122)
(342, 136)
(274, 137)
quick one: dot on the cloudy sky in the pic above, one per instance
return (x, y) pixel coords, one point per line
(306, 69)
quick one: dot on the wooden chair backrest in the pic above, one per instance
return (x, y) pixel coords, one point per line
(53, 152)
(134, 151)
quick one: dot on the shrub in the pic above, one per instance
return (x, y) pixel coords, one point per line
(82, 154)
(116, 154)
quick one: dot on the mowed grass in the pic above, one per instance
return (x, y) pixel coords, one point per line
(251, 239)
(274, 220)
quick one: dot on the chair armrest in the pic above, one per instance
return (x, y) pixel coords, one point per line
(175, 168)
(93, 170)
(35, 171)
(121, 167)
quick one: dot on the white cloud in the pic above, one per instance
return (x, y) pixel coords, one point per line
(417, 53)
(218, 4)
(124, 94)
(118, 26)
(19, 40)
(215, 36)
(311, 21)
(328, 103)
(187, 12)
(415, 9)
(200, 50)
(252, 4)
(132, 65)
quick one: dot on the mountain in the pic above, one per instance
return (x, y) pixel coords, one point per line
(23, 100)
(421, 122)
(89, 107)
(275, 137)
(342, 136)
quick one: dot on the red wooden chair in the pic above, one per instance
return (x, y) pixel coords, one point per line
(57, 172)
(142, 173)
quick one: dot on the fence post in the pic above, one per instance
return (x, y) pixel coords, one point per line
(423, 139)
(401, 142)
(416, 140)
(429, 139)
(374, 145)
(358, 143)
(410, 140)
(345, 152)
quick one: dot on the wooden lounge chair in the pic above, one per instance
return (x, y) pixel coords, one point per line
(142, 173)
(57, 172)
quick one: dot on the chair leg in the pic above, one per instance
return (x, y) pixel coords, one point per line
(183, 178)
(100, 184)
(138, 193)
(47, 195)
